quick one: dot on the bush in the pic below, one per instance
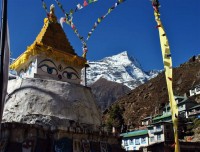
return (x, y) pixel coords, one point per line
(196, 123)
(115, 118)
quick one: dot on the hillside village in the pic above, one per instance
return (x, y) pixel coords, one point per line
(159, 129)
(154, 126)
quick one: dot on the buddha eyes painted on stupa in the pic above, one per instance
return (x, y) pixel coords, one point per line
(49, 67)
(70, 73)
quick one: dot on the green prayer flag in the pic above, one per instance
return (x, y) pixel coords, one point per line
(109, 10)
(91, 1)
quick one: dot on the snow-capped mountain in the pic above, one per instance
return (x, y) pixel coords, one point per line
(120, 68)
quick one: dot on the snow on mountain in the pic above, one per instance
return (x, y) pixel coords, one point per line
(120, 68)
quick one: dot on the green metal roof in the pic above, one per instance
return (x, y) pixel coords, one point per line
(161, 117)
(135, 133)
(197, 106)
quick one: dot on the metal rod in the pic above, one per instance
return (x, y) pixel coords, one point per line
(85, 76)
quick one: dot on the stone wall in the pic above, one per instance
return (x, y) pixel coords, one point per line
(17, 137)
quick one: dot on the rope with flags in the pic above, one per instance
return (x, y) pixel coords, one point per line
(99, 20)
(45, 7)
(69, 17)
(167, 60)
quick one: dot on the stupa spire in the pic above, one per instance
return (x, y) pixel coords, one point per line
(52, 16)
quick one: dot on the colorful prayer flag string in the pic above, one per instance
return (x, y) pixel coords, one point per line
(99, 20)
(45, 7)
(167, 60)
(69, 19)
(85, 3)
(69, 15)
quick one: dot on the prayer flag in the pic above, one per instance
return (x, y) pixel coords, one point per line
(85, 3)
(168, 75)
(79, 6)
(91, 1)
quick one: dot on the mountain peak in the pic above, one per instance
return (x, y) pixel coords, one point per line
(120, 68)
(124, 53)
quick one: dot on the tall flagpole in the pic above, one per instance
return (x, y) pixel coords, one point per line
(167, 60)
(2, 53)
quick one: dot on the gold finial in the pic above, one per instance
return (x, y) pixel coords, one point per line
(52, 16)
(52, 9)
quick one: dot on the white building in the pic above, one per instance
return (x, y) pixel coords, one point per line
(195, 90)
(146, 121)
(135, 139)
(160, 132)
(184, 105)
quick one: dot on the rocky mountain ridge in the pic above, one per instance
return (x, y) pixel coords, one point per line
(147, 98)
(120, 68)
(107, 92)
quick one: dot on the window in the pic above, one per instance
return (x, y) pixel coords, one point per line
(181, 107)
(131, 141)
(125, 143)
(197, 88)
(152, 139)
(151, 130)
(137, 141)
(159, 137)
(143, 140)
(158, 127)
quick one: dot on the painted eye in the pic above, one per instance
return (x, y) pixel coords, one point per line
(70, 75)
(49, 70)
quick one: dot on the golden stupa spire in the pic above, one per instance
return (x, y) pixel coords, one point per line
(52, 16)
(50, 42)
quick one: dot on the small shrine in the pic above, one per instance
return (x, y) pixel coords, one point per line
(47, 109)
(50, 56)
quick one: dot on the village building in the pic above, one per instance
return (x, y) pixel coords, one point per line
(146, 121)
(194, 111)
(160, 132)
(195, 90)
(159, 129)
(162, 147)
(184, 106)
(135, 140)
(47, 109)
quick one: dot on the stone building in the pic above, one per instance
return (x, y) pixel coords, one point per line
(47, 109)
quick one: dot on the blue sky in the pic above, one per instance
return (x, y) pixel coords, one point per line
(130, 27)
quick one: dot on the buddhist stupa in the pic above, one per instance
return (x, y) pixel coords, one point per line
(50, 56)
(47, 109)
